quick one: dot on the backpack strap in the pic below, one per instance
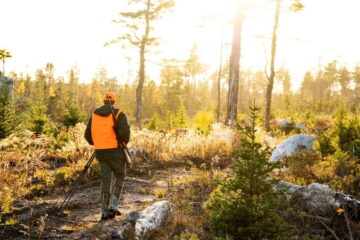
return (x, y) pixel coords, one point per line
(117, 115)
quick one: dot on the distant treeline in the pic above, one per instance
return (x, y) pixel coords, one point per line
(188, 87)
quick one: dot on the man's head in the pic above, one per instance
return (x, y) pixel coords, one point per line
(109, 96)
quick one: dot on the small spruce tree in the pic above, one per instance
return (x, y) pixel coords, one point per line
(245, 206)
(38, 121)
(72, 115)
(153, 123)
(8, 119)
(181, 117)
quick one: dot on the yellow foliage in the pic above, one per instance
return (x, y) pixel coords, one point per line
(51, 92)
(340, 211)
(160, 193)
(12, 221)
(21, 89)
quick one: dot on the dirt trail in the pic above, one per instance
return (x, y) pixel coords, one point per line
(40, 220)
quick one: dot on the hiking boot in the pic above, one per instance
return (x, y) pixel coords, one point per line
(105, 202)
(114, 202)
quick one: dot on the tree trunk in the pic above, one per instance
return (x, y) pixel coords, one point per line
(272, 68)
(139, 89)
(219, 79)
(234, 71)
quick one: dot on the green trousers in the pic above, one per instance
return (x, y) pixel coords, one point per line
(112, 167)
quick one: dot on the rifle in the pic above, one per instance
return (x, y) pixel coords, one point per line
(121, 143)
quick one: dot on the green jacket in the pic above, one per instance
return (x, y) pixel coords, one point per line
(123, 128)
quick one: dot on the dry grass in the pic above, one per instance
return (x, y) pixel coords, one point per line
(161, 146)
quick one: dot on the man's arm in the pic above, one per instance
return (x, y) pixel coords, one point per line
(123, 128)
(88, 136)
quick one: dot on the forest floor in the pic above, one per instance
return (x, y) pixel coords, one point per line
(41, 219)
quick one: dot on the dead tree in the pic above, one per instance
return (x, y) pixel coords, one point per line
(234, 72)
(271, 78)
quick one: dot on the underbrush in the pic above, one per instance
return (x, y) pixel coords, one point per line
(335, 161)
(189, 195)
(32, 166)
(165, 147)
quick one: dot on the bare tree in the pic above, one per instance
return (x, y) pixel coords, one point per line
(271, 78)
(139, 26)
(234, 71)
(295, 6)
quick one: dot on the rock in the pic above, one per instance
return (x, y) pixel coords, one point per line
(288, 125)
(139, 153)
(300, 126)
(144, 224)
(292, 145)
(285, 123)
(322, 197)
(317, 195)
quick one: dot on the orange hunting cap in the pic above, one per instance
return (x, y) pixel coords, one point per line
(110, 96)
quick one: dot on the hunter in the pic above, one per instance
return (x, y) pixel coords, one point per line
(105, 133)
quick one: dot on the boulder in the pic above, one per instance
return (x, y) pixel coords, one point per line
(144, 224)
(317, 195)
(136, 152)
(322, 197)
(292, 145)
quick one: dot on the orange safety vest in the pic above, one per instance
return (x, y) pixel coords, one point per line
(102, 131)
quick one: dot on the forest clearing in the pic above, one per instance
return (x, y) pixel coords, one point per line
(179, 120)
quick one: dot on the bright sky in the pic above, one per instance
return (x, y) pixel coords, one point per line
(68, 32)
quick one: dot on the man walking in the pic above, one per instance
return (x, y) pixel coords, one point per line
(105, 132)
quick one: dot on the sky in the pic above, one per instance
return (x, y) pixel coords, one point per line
(73, 32)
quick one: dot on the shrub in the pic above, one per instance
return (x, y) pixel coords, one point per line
(37, 120)
(203, 121)
(346, 173)
(324, 170)
(301, 166)
(245, 206)
(181, 117)
(168, 122)
(59, 140)
(8, 119)
(72, 115)
(154, 122)
(325, 143)
(347, 130)
(323, 124)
